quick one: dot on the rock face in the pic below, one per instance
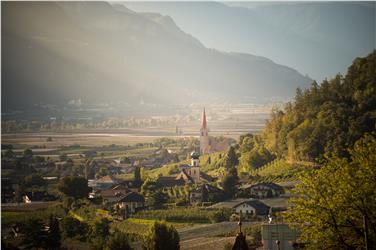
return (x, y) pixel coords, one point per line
(54, 52)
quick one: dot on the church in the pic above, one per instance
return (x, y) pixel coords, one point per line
(207, 147)
(191, 173)
(204, 135)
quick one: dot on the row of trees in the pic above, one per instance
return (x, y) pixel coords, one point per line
(10, 126)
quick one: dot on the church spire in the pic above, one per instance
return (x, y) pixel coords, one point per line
(203, 120)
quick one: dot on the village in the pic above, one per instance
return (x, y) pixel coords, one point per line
(158, 179)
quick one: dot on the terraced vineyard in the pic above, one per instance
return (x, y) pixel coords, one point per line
(280, 171)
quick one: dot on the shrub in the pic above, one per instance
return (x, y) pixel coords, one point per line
(162, 237)
(118, 241)
(220, 215)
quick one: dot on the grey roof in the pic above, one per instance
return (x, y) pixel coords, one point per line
(268, 184)
(169, 181)
(261, 208)
(131, 197)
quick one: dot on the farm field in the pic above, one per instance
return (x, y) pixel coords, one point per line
(206, 243)
(230, 124)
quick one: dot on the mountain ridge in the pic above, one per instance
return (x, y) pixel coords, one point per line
(95, 52)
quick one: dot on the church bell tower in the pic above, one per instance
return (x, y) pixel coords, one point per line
(204, 135)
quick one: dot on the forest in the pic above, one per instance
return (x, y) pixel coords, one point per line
(327, 118)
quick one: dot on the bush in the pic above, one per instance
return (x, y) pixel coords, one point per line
(118, 241)
(255, 233)
(220, 215)
(74, 228)
(162, 237)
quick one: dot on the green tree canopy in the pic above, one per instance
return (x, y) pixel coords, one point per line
(162, 237)
(231, 158)
(327, 117)
(74, 186)
(28, 153)
(333, 202)
(230, 182)
(34, 180)
(118, 241)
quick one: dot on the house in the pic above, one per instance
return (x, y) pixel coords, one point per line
(263, 190)
(38, 196)
(205, 193)
(132, 185)
(106, 182)
(112, 194)
(252, 208)
(89, 154)
(169, 181)
(131, 203)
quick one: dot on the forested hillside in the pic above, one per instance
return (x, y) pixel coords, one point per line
(327, 118)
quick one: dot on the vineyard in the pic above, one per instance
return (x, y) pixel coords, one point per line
(280, 171)
(186, 215)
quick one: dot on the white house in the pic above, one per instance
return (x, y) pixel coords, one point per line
(252, 208)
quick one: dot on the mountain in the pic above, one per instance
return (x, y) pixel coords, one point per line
(53, 52)
(316, 38)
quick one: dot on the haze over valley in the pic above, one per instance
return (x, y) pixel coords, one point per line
(188, 125)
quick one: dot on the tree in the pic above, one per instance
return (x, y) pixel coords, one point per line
(231, 158)
(75, 187)
(162, 237)
(230, 182)
(137, 176)
(99, 233)
(53, 238)
(28, 153)
(20, 192)
(9, 154)
(143, 174)
(148, 187)
(72, 227)
(118, 241)
(34, 180)
(337, 199)
(34, 234)
(101, 228)
(156, 199)
(328, 117)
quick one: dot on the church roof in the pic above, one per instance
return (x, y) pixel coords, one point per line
(195, 155)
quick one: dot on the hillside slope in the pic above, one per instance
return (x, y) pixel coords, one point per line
(55, 52)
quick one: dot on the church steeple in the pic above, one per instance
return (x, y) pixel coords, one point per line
(203, 120)
(204, 136)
